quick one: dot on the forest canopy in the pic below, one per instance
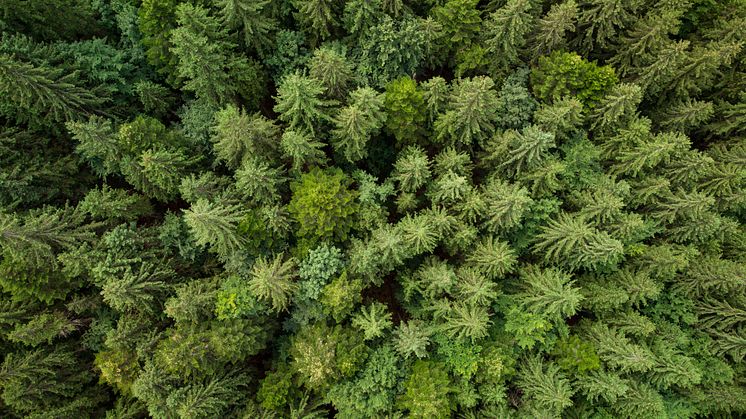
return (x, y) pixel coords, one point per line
(372, 209)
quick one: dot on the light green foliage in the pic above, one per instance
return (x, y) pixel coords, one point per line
(322, 204)
(549, 293)
(373, 320)
(237, 135)
(468, 321)
(545, 385)
(216, 225)
(251, 19)
(300, 104)
(470, 114)
(136, 290)
(405, 115)
(258, 181)
(506, 205)
(552, 29)
(518, 152)
(235, 299)
(356, 123)
(412, 169)
(412, 338)
(333, 70)
(427, 391)
(320, 354)
(527, 328)
(209, 399)
(576, 356)
(272, 281)
(620, 103)
(564, 73)
(340, 296)
(302, 149)
(506, 31)
(577, 243)
(493, 258)
(274, 388)
(373, 391)
(193, 303)
(157, 173)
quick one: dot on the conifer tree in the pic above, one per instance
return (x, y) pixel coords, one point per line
(301, 149)
(545, 385)
(38, 95)
(506, 33)
(300, 104)
(272, 281)
(322, 204)
(203, 54)
(318, 18)
(552, 30)
(216, 225)
(404, 110)
(333, 69)
(493, 258)
(238, 135)
(357, 122)
(470, 114)
(250, 18)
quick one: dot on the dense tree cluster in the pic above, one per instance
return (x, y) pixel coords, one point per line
(372, 209)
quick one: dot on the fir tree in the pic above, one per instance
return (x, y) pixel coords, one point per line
(299, 102)
(469, 117)
(357, 122)
(38, 95)
(506, 33)
(272, 281)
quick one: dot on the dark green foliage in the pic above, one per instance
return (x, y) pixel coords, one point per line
(41, 96)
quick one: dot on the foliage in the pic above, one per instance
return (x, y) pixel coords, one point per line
(323, 205)
(566, 73)
(372, 209)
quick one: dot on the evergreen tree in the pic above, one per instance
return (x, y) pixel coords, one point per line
(299, 102)
(272, 281)
(250, 18)
(470, 113)
(238, 135)
(216, 225)
(39, 96)
(333, 70)
(202, 51)
(323, 205)
(318, 18)
(404, 110)
(551, 30)
(357, 122)
(506, 34)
